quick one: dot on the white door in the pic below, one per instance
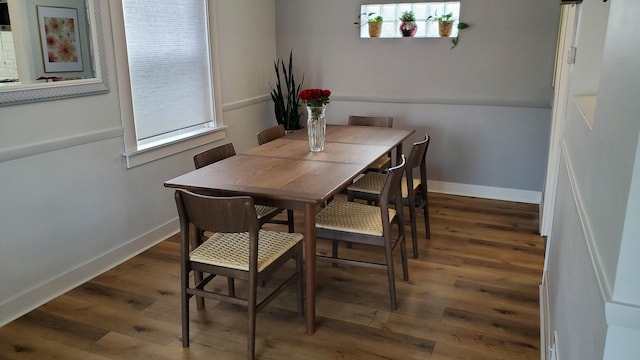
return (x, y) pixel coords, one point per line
(562, 76)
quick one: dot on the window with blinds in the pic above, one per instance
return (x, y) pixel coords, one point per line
(169, 67)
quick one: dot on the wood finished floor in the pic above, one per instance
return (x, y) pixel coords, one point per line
(472, 294)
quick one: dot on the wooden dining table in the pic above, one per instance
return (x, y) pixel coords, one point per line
(285, 174)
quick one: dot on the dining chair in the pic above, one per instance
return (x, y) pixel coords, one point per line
(238, 249)
(414, 188)
(354, 222)
(270, 134)
(265, 214)
(384, 161)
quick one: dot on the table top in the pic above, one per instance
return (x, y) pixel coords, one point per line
(292, 148)
(359, 135)
(285, 173)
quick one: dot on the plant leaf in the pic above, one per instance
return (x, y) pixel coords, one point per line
(462, 25)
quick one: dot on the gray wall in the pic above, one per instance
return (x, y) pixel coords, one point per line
(486, 102)
(594, 297)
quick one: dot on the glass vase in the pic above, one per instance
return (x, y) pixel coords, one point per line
(316, 127)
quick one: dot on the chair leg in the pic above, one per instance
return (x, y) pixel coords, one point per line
(251, 310)
(184, 301)
(197, 277)
(300, 271)
(232, 286)
(414, 230)
(334, 251)
(403, 256)
(425, 210)
(290, 220)
(391, 275)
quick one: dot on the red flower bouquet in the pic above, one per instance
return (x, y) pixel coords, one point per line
(315, 97)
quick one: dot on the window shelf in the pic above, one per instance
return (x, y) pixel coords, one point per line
(392, 12)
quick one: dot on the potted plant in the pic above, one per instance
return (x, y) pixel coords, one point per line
(408, 26)
(374, 22)
(285, 105)
(445, 25)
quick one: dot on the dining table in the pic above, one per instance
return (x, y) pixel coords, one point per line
(284, 173)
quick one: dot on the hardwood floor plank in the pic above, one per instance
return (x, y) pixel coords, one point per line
(488, 324)
(129, 322)
(21, 341)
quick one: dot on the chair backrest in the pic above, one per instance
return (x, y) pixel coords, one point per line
(371, 121)
(391, 189)
(213, 155)
(271, 134)
(216, 214)
(417, 158)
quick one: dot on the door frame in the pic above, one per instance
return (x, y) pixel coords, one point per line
(562, 77)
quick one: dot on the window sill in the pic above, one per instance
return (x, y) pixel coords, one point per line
(151, 152)
(410, 37)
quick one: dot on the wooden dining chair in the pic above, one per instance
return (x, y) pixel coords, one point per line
(238, 249)
(384, 161)
(414, 189)
(354, 222)
(270, 134)
(266, 214)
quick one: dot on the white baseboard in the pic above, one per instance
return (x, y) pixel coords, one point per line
(545, 334)
(54, 287)
(487, 192)
(623, 315)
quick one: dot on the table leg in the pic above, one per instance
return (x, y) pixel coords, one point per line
(310, 265)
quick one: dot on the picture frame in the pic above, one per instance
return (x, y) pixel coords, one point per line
(59, 39)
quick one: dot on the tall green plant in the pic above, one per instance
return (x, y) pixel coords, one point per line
(285, 105)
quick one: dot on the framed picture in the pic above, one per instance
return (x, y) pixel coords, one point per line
(59, 39)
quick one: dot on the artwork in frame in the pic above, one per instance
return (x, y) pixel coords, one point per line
(59, 39)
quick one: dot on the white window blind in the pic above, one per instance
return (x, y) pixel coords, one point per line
(169, 66)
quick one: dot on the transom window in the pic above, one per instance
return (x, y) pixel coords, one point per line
(391, 17)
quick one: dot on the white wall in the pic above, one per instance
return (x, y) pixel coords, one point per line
(594, 297)
(577, 310)
(486, 103)
(67, 215)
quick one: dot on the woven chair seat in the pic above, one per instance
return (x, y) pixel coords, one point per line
(263, 211)
(380, 163)
(371, 183)
(231, 250)
(352, 217)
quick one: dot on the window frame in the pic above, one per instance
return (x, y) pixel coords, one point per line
(137, 153)
(395, 22)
